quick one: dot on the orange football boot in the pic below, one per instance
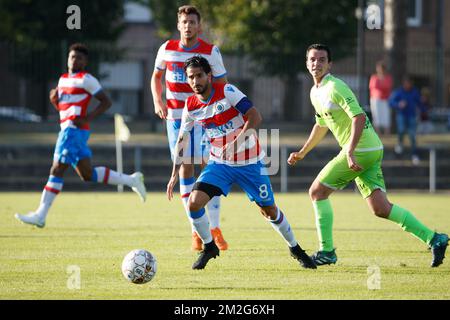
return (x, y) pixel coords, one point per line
(197, 243)
(218, 239)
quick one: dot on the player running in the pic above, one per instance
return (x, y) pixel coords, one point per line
(360, 159)
(71, 99)
(171, 57)
(230, 120)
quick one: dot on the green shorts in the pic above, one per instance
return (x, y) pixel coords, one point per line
(337, 175)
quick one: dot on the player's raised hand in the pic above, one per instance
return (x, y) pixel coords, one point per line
(172, 182)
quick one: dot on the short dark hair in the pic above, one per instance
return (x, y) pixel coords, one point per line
(188, 9)
(408, 78)
(319, 46)
(80, 48)
(197, 62)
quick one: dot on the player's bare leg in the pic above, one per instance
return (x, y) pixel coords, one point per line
(187, 181)
(279, 222)
(84, 169)
(196, 204)
(213, 207)
(379, 204)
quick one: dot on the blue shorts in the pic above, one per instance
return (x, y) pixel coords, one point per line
(252, 178)
(198, 146)
(71, 146)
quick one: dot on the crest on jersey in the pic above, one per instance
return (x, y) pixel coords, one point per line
(219, 107)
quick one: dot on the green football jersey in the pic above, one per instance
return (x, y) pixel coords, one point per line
(335, 106)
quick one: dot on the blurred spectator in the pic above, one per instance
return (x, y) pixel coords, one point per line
(425, 125)
(380, 86)
(405, 101)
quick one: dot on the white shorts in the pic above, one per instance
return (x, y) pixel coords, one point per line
(381, 114)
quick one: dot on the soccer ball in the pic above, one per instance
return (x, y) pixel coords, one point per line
(139, 266)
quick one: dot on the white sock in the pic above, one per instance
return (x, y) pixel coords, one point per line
(108, 176)
(214, 211)
(185, 190)
(200, 223)
(52, 188)
(281, 225)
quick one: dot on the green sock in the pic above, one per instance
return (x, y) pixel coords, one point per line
(409, 223)
(324, 224)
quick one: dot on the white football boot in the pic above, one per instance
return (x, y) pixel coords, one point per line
(139, 186)
(31, 218)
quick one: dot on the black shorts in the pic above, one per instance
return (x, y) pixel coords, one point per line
(207, 188)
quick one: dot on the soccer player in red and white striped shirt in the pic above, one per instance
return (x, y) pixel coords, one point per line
(230, 121)
(170, 60)
(71, 99)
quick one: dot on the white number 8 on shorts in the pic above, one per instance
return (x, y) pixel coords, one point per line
(263, 193)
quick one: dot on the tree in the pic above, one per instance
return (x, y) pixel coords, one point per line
(276, 34)
(165, 15)
(395, 36)
(38, 36)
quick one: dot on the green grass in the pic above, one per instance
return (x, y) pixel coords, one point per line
(95, 230)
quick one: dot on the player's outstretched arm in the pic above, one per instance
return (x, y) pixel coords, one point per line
(156, 88)
(316, 135)
(177, 162)
(173, 181)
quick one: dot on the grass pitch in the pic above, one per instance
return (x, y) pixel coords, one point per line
(94, 231)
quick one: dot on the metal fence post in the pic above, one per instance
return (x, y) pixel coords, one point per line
(432, 170)
(137, 158)
(283, 174)
(119, 162)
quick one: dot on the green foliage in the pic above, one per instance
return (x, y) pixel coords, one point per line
(275, 33)
(39, 37)
(165, 14)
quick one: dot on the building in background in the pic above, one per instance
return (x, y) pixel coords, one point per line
(127, 80)
(422, 47)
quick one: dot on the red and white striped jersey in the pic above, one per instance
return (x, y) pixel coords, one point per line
(74, 93)
(171, 57)
(222, 121)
